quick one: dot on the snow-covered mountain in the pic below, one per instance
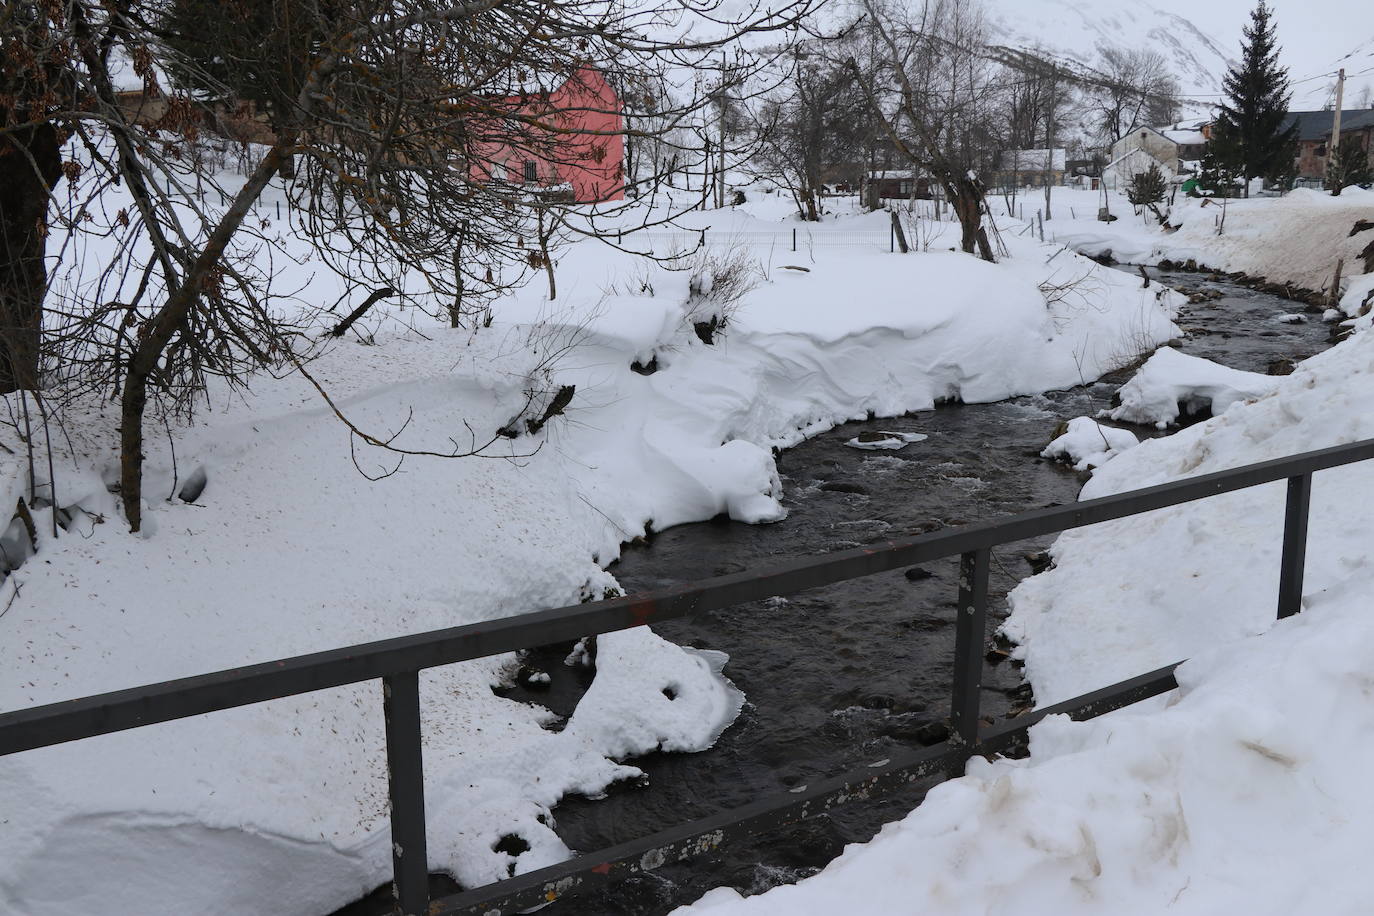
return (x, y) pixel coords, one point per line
(1199, 43)
(1081, 30)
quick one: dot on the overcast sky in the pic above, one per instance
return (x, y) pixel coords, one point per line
(1313, 33)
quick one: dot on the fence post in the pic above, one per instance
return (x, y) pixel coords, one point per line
(1294, 545)
(405, 778)
(794, 238)
(891, 239)
(969, 632)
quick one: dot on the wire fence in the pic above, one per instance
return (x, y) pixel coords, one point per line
(800, 239)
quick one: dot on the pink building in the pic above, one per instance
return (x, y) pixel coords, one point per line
(571, 141)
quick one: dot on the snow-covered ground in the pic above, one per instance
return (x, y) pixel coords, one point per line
(1242, 791)
(1296, 239)
(281, 808)
(1171, 383)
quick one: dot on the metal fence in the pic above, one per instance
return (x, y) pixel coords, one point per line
(398, 662)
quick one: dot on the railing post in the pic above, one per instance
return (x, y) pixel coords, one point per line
(969, 632)
(405, 778)
(1294, 545)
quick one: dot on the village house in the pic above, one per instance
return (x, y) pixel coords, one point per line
(1177, 150)
(1025, 168)
(1314, 136)
(897, 184)
(580, 155)
(572, 146)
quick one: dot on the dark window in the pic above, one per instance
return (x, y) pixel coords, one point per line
(531, 170)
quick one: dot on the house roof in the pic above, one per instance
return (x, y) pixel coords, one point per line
(1183, 136)
(1031, 160)
(1316, 125)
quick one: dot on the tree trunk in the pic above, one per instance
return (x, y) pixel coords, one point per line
(31, 161)
(154, 336)
(967, 200)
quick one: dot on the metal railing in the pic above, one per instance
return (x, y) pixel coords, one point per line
(397, 662)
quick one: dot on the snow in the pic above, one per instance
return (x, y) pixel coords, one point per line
(890, 441)
(1296, 239)
(1170, 383)
(1244, 793)
(1088, 444)
(1030, 159)
(1243, 790)
(1183, 136)
(281, 807)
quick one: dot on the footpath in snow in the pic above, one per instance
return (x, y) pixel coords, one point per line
(281, 808)
(1242, 791)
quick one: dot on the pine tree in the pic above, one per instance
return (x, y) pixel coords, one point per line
(1349, 166)
(1148, 189)
(241, 50)
(1249, 139)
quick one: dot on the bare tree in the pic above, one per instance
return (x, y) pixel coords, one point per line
(1135, 88)
(810, 122)
(939, 110)
(404, 123)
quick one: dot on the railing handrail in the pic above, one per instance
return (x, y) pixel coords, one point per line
(72, 720)
(398, 661)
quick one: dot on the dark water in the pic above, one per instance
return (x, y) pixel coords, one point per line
(842, 676)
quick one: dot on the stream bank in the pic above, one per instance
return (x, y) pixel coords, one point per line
(839, 677)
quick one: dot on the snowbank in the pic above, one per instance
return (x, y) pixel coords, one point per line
(1171, 382)
(1296, 239)
(1245, 789)
(1245, 793)
(1088, 444)
(281, 808)
(1131, 595)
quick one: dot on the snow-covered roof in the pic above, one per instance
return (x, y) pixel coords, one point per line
(1183, 136)
(892, 174)
(1031, 159)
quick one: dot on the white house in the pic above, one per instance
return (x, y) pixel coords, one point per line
(1175, 149)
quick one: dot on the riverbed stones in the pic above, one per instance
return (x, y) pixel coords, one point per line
(844, 486)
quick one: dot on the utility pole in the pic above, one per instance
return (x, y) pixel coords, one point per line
(1333, 148)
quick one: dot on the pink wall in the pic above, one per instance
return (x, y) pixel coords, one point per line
(591, 164)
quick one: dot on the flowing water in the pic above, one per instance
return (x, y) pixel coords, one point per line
(842, 676)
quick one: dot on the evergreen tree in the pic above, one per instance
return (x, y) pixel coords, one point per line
(1349, 166)
(1148, 189)
(1249, 139)
(242, 50)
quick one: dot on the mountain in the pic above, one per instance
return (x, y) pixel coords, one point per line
(1081, 30)
(1199, 46)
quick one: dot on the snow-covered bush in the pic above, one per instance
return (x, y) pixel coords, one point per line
(719, 279)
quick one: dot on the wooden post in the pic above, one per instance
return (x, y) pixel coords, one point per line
(897, 231)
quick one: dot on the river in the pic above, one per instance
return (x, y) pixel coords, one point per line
(841, 676)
